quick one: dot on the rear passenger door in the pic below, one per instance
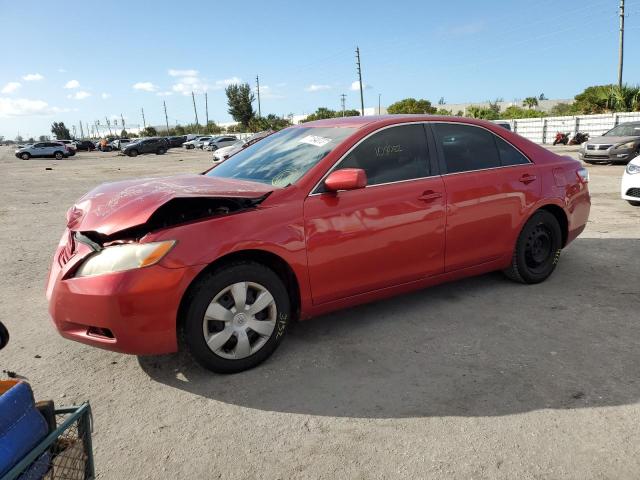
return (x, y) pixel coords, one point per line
(489, 185)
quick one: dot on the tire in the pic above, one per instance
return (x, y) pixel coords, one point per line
(213, 293)
(132, 153)
(4, 336)
(25, 156)
(634, 203)
(58, 155)
(537, 250)
(161, 151)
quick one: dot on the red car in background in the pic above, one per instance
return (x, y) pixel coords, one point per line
(311, 219)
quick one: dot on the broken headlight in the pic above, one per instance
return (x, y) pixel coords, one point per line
(117, 258)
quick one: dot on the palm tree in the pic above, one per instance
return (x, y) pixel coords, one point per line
(530, 102)
(624, 99)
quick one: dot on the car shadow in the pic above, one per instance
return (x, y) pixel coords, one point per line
(477, 347)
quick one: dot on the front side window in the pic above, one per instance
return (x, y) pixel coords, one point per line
(391, 155)
(466, 148)
(284, 157)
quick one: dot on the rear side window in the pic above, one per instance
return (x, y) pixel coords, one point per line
(391, 155)
(466, 147)
(509, 155)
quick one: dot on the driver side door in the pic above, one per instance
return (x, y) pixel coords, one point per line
(388, 233)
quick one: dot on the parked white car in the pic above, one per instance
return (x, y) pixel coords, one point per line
(223, 153)
(630, 185)
(196, 142)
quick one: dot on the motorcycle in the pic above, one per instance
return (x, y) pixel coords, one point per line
(562, 138)
(579, 138)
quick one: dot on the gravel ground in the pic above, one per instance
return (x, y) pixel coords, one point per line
(481, 378)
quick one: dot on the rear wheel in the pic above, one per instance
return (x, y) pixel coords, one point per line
(161, 151)
(537, 249)
(634, 203)
(58, 155)
(25, 156)
(235, 318)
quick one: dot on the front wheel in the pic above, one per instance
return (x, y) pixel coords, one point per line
(161, 151)
(537, 249)
(25, 156)
(132, 153)
(58, 155)
(634, 203)
(235, 318)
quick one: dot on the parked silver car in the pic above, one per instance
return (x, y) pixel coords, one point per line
(120, 143)
(43, 149)
(219, 142)
(618, 145)
(196, 142)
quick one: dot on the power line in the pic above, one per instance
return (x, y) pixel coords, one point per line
(621, 48)
(360, 80)
(258, 89)
(195, 110)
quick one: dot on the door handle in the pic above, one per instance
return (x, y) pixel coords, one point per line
(527, 178)
(430, 196)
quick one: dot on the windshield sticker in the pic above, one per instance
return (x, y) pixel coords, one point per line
(315, 140)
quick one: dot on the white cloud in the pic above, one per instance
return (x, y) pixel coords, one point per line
(105, 95)
(32, 77)
(19, 107)
(62, 70)
(228, 81)
(266, 93)
(10, 87)
(356, 86)
(183, 73)
(317, 88)
(81, 95)
(145, 86)
(72, 84)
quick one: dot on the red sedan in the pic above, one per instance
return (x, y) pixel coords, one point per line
(314, 218)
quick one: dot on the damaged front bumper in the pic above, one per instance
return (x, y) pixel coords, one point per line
(133, 311)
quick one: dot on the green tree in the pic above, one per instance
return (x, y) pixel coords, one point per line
(443, 111)
(320, 114)
(486, 113)
(31, 140)
(240, 100)
(562, 109)
(411, 105)
(149, 132)
(270, 122)
(625, 98)
(515, 111)
(530, 102)
(124, 134)
(212, 128)
(60, 131)
(19, 139)
(43, 138)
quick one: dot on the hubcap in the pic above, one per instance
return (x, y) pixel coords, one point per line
(538, 249)
(239, 320)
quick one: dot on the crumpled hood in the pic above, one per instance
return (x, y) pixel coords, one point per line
(112, 207)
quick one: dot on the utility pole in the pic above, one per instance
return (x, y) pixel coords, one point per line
(258, 88)
(343, 98)
(73, 127)
(97, 122)
(123, 126)
(360, 80)
(379, 109)
(206, 108)
(195, 110)
(81, 130)
(108, 125)
(144, 122)
(621, 52)
(164, 104)
(88, 131)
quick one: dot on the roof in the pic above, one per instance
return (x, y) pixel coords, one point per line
(361, 121)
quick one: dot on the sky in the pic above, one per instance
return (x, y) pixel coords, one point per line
(82, 61)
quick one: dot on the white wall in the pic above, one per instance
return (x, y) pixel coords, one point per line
(543, 130)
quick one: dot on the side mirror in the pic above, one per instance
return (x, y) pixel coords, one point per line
(346, 179)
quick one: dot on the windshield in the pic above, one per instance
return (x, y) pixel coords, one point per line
(630, 130)
(282, 158)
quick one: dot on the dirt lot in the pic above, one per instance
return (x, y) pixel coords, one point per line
(481, 378)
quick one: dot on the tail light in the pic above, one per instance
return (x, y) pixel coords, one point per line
(583, 175)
